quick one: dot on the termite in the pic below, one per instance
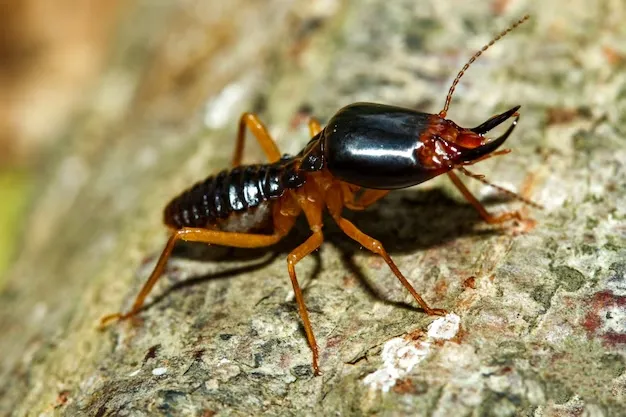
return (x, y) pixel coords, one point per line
(365, 151)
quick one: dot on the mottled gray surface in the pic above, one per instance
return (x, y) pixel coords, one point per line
(543, 329)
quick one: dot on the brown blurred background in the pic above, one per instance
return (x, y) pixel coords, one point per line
(50, 53)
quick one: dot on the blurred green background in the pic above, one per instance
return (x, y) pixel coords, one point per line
(15, 185)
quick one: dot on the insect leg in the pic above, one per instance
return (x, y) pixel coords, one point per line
(488, 217)
(238, 240)
(312, 203)
(312, 243)
(314, 126)
(366, 199)
(258, 129)
(375, 246)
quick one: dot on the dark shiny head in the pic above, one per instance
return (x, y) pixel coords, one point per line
(387, 147)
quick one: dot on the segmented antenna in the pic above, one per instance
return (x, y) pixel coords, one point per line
(511, 194)
(443, 112)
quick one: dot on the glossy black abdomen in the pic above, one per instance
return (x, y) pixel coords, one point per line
(231, 192)
(375, 146)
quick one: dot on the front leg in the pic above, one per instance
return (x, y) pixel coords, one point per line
(335, 206)
(488, 217)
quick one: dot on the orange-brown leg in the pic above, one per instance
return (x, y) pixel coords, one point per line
(489, 218)
(375, 246)
(239, 240)
(334, 203)
(312, 203)
(258, 129)
(312, 243)
(366, 199)
(314, 126)
(348, 191)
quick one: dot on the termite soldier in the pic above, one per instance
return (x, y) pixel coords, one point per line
(365, 151)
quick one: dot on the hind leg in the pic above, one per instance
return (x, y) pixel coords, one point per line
(282, 225)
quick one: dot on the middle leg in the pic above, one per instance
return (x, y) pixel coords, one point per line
(311, 203)
(312, 243)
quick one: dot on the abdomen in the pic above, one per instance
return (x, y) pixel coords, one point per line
(234, 200)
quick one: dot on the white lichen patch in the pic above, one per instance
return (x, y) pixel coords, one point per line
(159, 371)
(558, 334)
(444, 327)
(226, 370)
(614, 319)
(400, 356)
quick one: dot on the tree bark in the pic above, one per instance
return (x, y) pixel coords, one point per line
(541, 301)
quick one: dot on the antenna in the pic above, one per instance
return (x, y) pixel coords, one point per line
(443, 112)
(482, 179)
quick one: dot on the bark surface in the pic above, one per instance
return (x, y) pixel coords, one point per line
(541, 302)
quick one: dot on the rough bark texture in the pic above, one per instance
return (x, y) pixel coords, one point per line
(543, 322)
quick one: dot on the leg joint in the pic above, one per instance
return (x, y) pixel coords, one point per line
(377, 246)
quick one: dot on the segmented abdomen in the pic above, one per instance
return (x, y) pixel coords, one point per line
(234, 191)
